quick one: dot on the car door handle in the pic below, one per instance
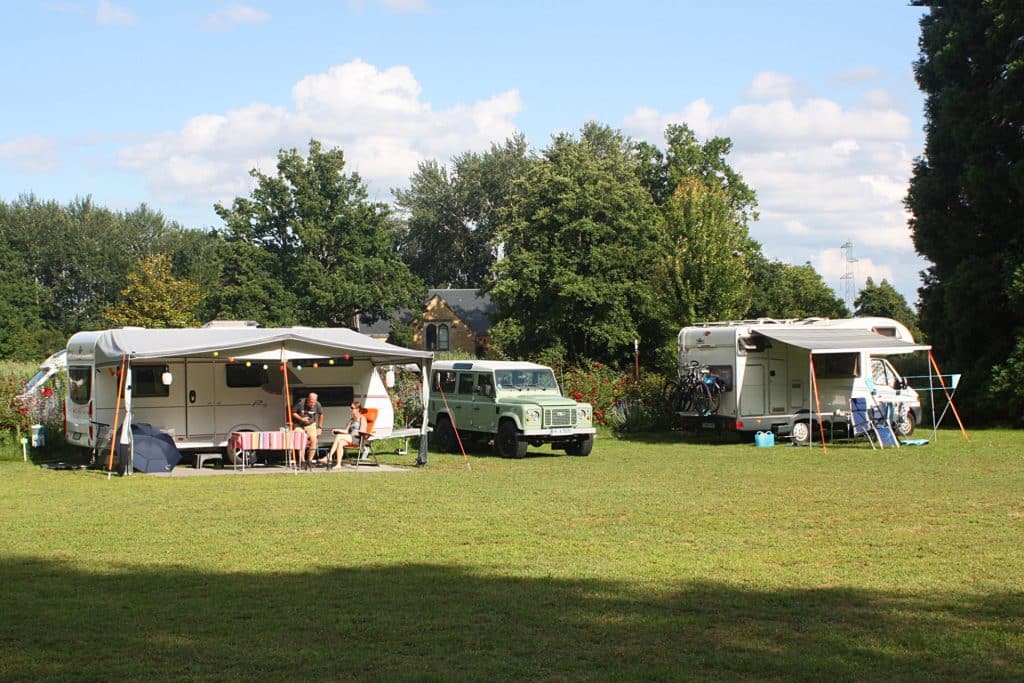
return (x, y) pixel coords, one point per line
(258, 402)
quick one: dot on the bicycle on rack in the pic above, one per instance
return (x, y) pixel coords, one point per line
(695, 390)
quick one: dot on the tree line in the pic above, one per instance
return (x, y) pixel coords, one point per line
(584, 246)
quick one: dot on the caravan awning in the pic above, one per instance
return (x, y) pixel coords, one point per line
(249, 342)
(833, 340)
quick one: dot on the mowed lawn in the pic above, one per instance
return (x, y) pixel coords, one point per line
(652, 559)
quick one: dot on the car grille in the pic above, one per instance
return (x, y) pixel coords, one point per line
(559, 417)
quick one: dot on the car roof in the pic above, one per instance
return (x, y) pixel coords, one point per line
(487, 365)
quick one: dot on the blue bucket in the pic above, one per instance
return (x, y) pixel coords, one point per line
(764, 439)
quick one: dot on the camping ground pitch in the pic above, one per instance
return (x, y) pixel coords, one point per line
(649, 560)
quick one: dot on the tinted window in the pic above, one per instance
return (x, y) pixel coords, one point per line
(837, 365)
(80, 385)
(240, 375)
(147, 381)
(466, 381)
(330, 396)
(724, 375)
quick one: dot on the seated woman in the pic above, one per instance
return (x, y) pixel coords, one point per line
(350, 435)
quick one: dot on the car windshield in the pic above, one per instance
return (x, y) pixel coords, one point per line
(526, 379)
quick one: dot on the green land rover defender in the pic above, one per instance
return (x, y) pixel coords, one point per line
(515, 404)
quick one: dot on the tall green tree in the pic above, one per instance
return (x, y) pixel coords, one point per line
(705, 276)
(883, 300)
(448, 219)
(153, 297)
(578, 240)
(967, 190)
(780, 290)
(77, 255)
(328, 245)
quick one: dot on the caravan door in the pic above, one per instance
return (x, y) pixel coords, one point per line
(200, 399)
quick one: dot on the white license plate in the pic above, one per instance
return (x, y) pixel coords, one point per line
(560, 431)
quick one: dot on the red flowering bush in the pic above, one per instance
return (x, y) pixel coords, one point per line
(597, 384)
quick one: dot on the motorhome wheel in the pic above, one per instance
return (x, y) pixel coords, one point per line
(801, 433)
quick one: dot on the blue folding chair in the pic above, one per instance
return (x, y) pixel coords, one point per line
(861, 423)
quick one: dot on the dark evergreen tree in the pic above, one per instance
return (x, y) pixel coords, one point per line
(967, 190)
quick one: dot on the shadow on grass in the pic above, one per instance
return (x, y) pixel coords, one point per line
(426, 622)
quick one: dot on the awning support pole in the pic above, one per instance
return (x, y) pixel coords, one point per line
(117, 412)
(817, 404)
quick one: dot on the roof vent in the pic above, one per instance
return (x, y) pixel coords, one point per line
(232, 323)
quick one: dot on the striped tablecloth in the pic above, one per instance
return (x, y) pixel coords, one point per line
(269, 441)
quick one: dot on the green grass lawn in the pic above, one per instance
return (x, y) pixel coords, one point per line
(652, 559)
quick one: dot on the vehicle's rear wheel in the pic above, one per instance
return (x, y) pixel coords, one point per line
(581, 446)
(508, 442)
(444, 435)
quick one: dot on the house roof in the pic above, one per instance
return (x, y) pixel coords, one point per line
(473, 307)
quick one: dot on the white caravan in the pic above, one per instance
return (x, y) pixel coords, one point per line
(201, 384)
(765, 368)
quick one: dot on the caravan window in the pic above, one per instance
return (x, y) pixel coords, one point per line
(147, 381)
(724, 375)
(837, 365)
(884, 331)
(331, 396)
(239, 375)
(80, 385)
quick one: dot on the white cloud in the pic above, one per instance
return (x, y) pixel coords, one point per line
(233, 15)
(824, 173)
(378, 117)
(109, 14)
(769, 85)
(407, 6)
(31, 153)
(857, 75)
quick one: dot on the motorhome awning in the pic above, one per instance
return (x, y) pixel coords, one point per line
(249, 342)
(835, 340)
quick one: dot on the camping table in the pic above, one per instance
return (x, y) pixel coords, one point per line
(247, 442)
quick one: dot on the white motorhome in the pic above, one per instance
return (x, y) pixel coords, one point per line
(768, 369)
(199, 385)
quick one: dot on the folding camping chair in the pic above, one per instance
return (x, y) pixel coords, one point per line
(361, 446)
(860, 421)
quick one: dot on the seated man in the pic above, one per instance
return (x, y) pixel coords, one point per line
(308, 416)
(350, 435)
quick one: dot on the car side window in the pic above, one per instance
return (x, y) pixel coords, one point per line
(466, 381)
(444, 380)
(485, 386)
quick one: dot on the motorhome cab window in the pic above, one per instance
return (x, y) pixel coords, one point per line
(80, 385)
(147, 381)
(239, 375)
(837, 365)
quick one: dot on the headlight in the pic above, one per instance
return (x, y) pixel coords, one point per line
(533, 415)
(583, 414)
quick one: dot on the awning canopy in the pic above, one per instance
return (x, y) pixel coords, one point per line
(249, 342)
(835, 340)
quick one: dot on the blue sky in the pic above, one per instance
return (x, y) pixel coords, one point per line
(171, 103)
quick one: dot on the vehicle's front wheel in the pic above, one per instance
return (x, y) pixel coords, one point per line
(906, 424)
(801, 433)
(581, 446)
(508, 442)
(444, 435)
